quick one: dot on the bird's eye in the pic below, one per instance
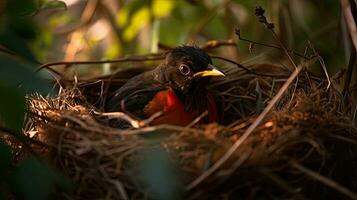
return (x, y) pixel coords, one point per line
(184, 69)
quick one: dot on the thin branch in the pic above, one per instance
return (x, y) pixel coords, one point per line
(242, 67)
(125, 59)
(237, 32)
(21, 138)
(212, 44)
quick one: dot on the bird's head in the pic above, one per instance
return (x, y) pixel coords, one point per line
(186, 66)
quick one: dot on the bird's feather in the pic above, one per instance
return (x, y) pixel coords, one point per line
(135, 94)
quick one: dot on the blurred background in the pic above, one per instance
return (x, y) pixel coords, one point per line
(109, 29)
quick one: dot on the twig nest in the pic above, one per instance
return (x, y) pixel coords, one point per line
(309, 126)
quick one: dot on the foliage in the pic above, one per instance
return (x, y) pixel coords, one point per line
(31, 178)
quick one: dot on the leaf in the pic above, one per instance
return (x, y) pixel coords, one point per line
(21, 76)
(53, 4)
(16, 80)
(16, 43)
(159, 174)
(162, 8)
(139, 19)
(125, 12)
(35, 180)
(12, 108)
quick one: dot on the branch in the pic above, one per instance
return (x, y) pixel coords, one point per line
(125, 59)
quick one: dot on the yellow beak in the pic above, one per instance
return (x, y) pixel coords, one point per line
(212, 71)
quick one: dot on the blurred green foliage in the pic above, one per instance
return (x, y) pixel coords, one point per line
(31, 178)
(117, 27)
(157, 170)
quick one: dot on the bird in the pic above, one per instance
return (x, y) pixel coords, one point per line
(176, 88)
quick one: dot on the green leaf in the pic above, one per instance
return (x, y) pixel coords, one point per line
(125, 13)
(159, 174)
(35, 180)
(16, 43)
(21, 75)
(12, 108)
(16, 80)
(53, 4)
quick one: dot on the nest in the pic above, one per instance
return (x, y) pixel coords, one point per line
(305, 147)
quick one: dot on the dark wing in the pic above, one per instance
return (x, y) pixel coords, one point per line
(135, 95)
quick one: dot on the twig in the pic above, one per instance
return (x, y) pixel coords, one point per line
(238, 33)
(322, 63)
(242, 67)
(125, 59)
(324, 180)
(21, 138)
(281, 183)
(212, 44)
(199, 118)
(4, 50)
(259, 12)
(251, 128)
(112, 115)
(161, 127)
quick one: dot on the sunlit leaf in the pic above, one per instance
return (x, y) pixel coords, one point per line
(122, 16)
(162, 8)
(60, 19)
(34, 180)
(126, 12)
(113, 51)
(42, 43)
(140, 19)
(53, 4)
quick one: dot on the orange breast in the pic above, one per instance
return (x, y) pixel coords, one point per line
(173, 109)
